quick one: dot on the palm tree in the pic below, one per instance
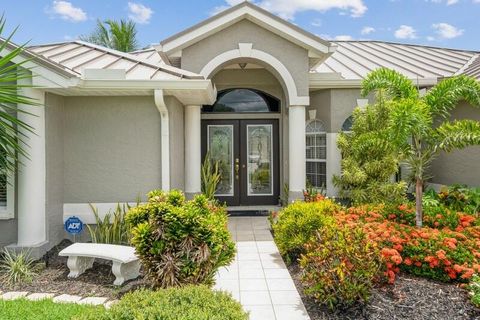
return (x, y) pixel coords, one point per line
(11, 138)
(421, 124)
(119, 35)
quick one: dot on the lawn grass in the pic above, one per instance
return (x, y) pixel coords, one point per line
(22, 309)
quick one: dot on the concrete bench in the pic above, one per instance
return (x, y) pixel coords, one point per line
(126, 264)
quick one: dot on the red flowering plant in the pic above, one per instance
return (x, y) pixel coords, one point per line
(438, 253)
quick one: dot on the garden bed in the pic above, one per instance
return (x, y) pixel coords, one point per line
(409, 298)
(97, 281)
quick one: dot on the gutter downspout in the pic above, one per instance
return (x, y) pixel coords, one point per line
(165, 137)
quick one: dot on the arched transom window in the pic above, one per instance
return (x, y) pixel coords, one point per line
(244, 100)
(316, 154)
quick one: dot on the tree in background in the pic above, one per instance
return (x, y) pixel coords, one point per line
(119, 35)
(421, 126)
(369, 158)
(11, 138)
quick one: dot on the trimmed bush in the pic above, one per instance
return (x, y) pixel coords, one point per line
(180, 242)
(187, 303)
(340, 266)
(297, 223)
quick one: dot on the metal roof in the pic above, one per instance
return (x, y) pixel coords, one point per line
(353, 60)
(77, 55)
(149, 54)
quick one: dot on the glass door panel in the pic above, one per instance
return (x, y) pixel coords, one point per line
(259, 160)
(220, 148)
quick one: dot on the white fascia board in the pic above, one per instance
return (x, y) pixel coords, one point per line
(357, 83)
(269, 23)
(145, 84)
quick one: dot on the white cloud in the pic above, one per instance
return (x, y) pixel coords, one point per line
(67, 11)
(139, 13)
(288, 8)
(367, 30)
(430, 38)
(447, 31)
(448, 2)
(343, 37)
(476, 1)
(405, 32)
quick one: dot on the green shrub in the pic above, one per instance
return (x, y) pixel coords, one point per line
(180, 242)
(186, 303)
(297, 223)
(112, 229)
(340, 266)
(22, 309)
(474, 290)
(16, 268)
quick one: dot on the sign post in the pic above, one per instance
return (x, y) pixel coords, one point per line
(74, 226)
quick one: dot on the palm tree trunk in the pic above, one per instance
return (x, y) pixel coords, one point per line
(418, 202)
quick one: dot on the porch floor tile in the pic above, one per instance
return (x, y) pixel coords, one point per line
(258, 278)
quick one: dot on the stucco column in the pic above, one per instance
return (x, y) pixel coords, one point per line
(334, 162)
(32, 174)
(193, 157)
(296, 151)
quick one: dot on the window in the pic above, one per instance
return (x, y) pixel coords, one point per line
(316, 154)
(6, 195)
(244, 100)
(347, 124)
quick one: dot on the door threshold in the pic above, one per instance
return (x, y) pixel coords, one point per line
(237, 211)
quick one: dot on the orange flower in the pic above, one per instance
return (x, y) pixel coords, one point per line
(441, 255)
(408, 261)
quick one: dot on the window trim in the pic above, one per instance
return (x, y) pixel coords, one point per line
(8, 212)
(316, 160)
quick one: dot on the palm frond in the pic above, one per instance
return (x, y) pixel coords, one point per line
(393, 83)
(458, 134)
(12, 138)
(445, 96)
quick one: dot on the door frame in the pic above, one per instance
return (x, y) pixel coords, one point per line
(240, 196)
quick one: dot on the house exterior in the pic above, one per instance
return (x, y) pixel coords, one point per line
(264, 97)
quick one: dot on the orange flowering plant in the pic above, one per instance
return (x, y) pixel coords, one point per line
(451, 251)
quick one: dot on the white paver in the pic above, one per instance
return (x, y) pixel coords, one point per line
(258, 277)
(67, 298)
(94, 301)
(12, 295)
(110, 303)
(40, 296)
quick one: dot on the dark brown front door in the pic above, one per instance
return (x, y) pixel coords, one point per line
(248, 155)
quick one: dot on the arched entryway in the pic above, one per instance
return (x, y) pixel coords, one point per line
(245, 148)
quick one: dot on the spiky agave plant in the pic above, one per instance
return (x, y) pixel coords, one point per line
(16, 268)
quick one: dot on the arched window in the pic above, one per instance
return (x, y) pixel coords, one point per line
(316, 154)
(347, 124)
(244, 100)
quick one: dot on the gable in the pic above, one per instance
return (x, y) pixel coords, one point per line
(316, 47)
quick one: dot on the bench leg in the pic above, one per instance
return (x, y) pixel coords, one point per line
(78, 265)
(125, 271)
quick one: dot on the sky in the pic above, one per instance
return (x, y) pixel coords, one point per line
(443, 23)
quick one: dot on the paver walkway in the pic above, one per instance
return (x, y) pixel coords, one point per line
(258, 277)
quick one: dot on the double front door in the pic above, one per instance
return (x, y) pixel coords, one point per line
(247, 154)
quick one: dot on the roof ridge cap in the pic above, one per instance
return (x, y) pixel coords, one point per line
(467, 64)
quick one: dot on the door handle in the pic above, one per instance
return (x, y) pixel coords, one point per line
(237, 167)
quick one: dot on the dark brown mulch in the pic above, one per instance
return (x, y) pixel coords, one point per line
(410, 298)
(97, 281)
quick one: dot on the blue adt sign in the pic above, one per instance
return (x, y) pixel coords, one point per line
(73, 225)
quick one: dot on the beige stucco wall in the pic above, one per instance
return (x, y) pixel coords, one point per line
(295, 58)
(54, 128)
(177, 143)
(462, 166)
(111, 148)
(321, 102)
(334, 106)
